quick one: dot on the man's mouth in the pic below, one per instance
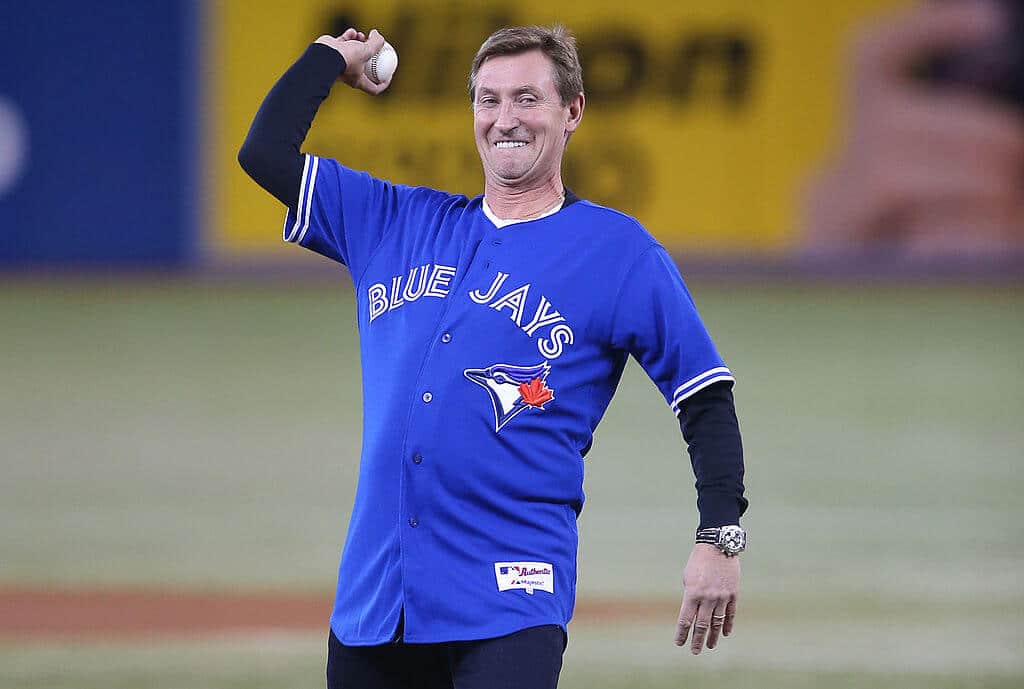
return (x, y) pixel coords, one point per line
(509, 144)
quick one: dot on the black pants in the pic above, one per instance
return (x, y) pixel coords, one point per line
(530, 658)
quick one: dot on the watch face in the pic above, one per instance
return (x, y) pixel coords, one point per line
(732, 539)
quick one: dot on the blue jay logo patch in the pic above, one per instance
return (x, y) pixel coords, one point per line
(513, 389)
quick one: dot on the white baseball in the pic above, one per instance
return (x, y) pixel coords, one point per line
(383, 64)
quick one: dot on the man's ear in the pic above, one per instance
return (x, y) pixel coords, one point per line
(575, 115)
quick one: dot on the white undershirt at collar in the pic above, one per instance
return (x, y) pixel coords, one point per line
(501, 222)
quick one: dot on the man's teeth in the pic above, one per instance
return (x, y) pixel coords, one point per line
(510, 144)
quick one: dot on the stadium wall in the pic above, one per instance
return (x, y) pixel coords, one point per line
(702, 118)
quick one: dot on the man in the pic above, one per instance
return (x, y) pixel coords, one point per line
(493, 332)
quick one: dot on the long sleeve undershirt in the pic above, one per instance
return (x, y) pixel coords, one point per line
(271, 155)
(271, 152)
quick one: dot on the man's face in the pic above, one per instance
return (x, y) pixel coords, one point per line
(519, 122)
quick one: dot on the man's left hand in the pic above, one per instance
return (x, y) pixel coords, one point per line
(711, 585)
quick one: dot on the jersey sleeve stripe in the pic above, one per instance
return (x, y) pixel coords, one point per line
(697, 379)
(290, 236)
(694, 385)
(309, 198)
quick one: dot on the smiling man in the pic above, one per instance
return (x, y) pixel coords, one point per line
(494, 331)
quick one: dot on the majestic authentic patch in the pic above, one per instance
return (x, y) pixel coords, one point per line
(525, 575)
(513, 389)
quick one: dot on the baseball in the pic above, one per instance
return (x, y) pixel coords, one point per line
(383, 64)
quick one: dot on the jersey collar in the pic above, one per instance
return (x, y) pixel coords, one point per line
(569, 199)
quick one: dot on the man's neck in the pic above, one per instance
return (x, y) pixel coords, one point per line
(519, 204)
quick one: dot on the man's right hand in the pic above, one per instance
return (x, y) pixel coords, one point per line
(357, 48)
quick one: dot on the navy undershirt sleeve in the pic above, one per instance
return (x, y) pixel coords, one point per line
(270, 153)
(712, 434)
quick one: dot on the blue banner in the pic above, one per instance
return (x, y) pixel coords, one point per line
(98, 133)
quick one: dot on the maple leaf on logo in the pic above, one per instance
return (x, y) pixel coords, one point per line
(536, 393)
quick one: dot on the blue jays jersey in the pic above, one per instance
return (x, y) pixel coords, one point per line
(489, 355)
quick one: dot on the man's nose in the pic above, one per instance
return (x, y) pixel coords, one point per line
(507, 117)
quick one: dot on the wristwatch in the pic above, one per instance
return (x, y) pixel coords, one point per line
(731, 540)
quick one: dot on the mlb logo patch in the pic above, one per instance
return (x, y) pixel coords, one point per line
(525, 576)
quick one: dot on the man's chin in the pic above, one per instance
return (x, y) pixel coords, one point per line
(507, 172)
(511, 176)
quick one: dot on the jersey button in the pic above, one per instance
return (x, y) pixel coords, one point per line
(417, 459)
(446, 338)
(414, 522)
(427, 397)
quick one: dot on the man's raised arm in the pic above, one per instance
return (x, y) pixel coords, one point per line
(271, 151)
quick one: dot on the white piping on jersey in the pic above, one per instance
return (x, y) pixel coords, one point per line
(688, 389)
(502, 222)
(290, 236)
(309, 199)
(706, 383)
(720, 369)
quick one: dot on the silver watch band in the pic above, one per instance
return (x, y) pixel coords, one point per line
(709, 535)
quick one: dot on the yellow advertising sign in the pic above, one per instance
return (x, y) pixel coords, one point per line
(702, 118)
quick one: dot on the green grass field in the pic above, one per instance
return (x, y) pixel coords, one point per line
(206, 435)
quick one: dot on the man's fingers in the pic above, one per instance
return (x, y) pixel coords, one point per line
(701, 626)
(730, 617)
(717, 622)
(373, 88)
(687, 612)
(352, 34)
(375, 41)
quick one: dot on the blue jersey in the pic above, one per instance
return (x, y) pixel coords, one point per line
(489, 355)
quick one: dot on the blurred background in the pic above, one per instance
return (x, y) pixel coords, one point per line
(179, 390)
